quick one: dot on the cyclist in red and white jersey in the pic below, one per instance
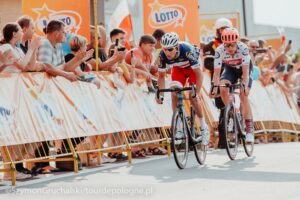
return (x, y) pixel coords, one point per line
(235, 56)
(184, 60)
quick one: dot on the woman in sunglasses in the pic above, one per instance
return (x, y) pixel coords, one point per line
(186, 66)
(235, 56)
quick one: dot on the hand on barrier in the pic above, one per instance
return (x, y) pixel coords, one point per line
(71, 77)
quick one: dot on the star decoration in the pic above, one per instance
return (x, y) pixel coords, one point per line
(43, 12)
(155, 6)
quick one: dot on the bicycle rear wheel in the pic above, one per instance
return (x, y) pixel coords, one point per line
(180, 141)
(230, 131)
(200, 150)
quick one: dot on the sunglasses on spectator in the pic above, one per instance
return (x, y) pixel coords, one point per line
(254, 47)
(169, 49)
(230, 45)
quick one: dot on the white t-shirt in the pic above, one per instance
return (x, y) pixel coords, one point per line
(16, 54)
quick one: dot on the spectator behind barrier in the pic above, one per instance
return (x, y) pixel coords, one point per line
(117, 48)
(51, 53)
(27, 25)
(253, 46)
(103, 62)
(16, 61)
(77, 44)
(143, 56)
(245, 40)
(157, 34)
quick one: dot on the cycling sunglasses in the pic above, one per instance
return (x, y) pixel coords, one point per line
(230, 45)
(169, 49)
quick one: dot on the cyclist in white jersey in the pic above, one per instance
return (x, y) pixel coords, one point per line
(235, 56)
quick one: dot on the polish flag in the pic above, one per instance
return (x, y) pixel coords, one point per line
(121, 18)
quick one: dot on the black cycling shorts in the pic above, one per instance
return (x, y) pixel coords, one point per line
(233, 74)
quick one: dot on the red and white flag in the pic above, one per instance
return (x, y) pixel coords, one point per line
(121, 18)
(282, 34)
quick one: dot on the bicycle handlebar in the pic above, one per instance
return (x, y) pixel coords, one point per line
(178, 90)
(231, 87)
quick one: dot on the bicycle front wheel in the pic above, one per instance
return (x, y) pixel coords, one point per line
(230, 132)
(200, 149)
(180, 141)
(248, 146)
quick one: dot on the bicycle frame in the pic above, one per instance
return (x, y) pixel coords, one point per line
(238, 115)
(189, 132)
(191, 128)
(180, 98)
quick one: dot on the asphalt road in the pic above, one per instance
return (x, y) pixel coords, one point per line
(272, 173)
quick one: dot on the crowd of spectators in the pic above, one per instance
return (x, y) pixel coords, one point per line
(21, 50)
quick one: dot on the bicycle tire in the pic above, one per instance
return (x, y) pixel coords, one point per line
(230, 131)
(200, 150)
(180, 145)
(248, 146)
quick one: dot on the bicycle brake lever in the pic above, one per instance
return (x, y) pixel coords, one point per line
(157, 93)
(243, 86)
(161, 98)
(194, 91)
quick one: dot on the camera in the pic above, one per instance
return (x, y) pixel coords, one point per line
(121, 48)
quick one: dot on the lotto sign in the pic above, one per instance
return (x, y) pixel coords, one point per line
(172, 15)
(74, 14)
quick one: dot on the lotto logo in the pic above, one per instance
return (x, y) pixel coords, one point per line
(166, 15)
(71, 19)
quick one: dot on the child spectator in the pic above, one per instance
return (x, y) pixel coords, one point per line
(77, 44)
(143, 56)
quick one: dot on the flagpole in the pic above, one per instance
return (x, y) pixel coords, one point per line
(96, 35)
(132, 28)
(130, 17)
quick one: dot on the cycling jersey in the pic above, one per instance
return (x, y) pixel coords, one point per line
(233, 63)
(241, 57)
(188, 57)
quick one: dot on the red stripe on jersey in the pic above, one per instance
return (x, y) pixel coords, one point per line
(233, 62)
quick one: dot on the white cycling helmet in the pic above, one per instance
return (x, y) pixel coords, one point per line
(169, 40)
(222, 23)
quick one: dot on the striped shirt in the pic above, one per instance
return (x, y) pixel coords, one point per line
(51, 55)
